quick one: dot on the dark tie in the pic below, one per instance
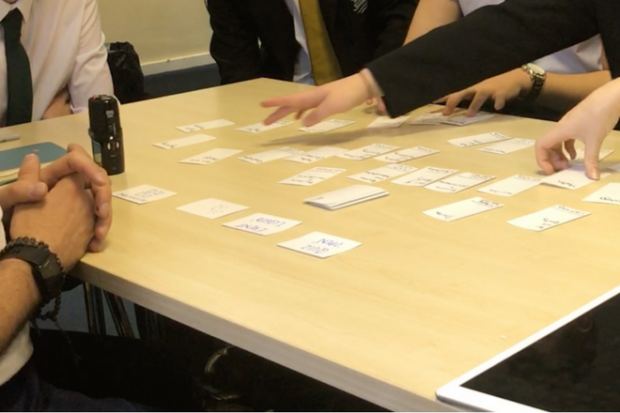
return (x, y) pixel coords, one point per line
(19, 79)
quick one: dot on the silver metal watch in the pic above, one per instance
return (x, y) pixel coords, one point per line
(537, 75)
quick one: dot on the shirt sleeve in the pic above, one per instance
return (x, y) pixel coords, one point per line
(486, 43)
(91, 74)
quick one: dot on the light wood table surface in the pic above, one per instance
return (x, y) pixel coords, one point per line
(418, 304)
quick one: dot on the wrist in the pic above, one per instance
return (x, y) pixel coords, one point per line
(17, 274)
(537, 76)
(372, 88)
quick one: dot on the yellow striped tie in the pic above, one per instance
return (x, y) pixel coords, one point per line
(325, 66)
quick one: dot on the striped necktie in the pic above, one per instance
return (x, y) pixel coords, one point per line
(325, 66)
(19, 78)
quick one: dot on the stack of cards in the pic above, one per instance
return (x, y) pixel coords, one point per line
(383, 173)
(406, 154)
(312, 176)
(346, 197)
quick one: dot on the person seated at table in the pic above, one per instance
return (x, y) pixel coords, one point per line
(52, 216)
(305, 41)
(546, 88)
(54, 59)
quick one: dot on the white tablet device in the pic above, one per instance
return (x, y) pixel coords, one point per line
(572, 365)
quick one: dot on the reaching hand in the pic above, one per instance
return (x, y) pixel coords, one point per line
(64, 219)
(329, 99)
(501, 89)
(590, 122)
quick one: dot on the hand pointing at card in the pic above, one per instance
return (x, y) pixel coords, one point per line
(590, 122)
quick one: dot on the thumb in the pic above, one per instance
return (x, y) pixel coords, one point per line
(590, 159)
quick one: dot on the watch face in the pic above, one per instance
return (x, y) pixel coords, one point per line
(537, 70)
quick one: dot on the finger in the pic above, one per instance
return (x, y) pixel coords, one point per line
(370, 101)
(452, 102)
(570, 148)
(27, 188)
(30, 169)
(590, 159)
(299, 114)
(77, 160)
(381, 106)
(476, 103)
(279, 114)
(441, 100)
(500, 102)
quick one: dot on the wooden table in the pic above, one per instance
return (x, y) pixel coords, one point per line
(418, 304)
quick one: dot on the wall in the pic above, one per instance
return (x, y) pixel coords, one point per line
(168, 34)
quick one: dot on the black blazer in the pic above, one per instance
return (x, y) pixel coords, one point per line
(491, 41)
(358, 33)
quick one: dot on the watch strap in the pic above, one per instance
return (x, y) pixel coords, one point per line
(538, 81)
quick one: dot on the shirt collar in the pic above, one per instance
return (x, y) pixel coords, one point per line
(24, 7)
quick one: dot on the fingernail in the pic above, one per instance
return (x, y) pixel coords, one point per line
(103, 209)
(38, 190)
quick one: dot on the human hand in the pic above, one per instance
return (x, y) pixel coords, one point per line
(381, 109)
(329, 99)
(78, 161)
(590, 122)
(64, 220)
(60, 106)
(501, 89)
(27, 188)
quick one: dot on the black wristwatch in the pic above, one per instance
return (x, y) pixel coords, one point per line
(47, 269)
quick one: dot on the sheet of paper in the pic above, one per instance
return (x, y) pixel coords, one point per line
(428, 119)
(387, 122)
(464, 120)
(383, 173)
(181, 142)
(317, 154)
(271, 155)
(369, 151)
(609, 194)
(143, 194)
(462, 209)
(424, 176)
(344, 197)
(474, 140)
(212, 208)
(312, 176)
(604, 153)
(262, 224)
(459, 183)
(197, 127)
(511, 145)
(328, 125)
(211, 156)
(548, 218)
(571, 178)
(406, 154)
(511, 186)
(261, 127)
(320, 245)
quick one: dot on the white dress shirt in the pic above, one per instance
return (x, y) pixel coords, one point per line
(20, 350)
(66, 49)
(582, 58)
(303, 67)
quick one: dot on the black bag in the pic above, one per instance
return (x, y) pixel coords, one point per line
(126, 71)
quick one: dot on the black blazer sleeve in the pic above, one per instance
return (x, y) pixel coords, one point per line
(486, 43)
(394, 18)
(234, 44)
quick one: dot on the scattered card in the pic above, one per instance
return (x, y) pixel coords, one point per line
(262, 224)
(548, 218)
(428, 119)
(387, 122)
(604, 153)
(261, 127)
(459, 183)
(424, 176)
(571, 178)
(609, 194)
(143, 194)
(181, 142)
(468, 141)
(312, 176)
(271, 155)
(317, 154)
(328, 125)
(197, 127)
(344, 197)
(211, 156)
(406, 154)
(320, 245)
(511, 186)
(512, 145)
(462, 209)
(383, 173)
(464, 120)
(369, 151)
(212, 208)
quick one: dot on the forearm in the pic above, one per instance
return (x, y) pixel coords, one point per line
(19, 297)
(561, 92)
(606, 99)
(430, 15)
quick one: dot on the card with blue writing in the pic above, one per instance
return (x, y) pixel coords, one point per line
(320, 245)
(262, 224)
(609, 194)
